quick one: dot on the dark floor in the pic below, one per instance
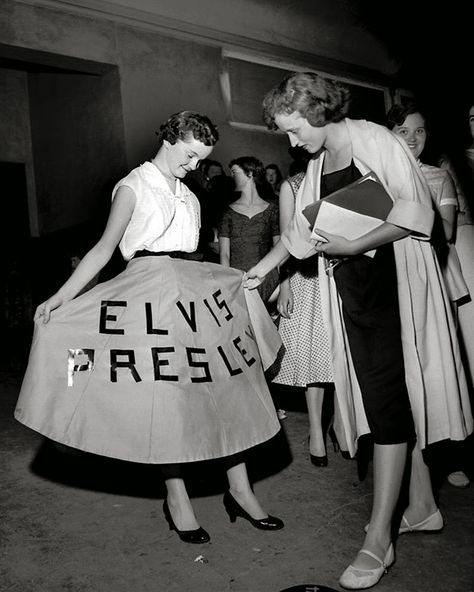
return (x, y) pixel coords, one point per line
(80, 523)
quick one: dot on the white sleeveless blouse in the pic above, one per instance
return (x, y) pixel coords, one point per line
(161, 220)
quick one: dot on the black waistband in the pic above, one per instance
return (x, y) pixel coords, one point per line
(174, 254)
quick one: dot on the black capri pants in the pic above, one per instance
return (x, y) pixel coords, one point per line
(368, 290)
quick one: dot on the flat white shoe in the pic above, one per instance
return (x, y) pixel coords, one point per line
(434, 523)
(458, 479)
(354, 578)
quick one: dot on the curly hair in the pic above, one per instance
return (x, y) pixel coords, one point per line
(180, 125)
(251, 166)
(254, 167)
(397, 113)
(320, 100)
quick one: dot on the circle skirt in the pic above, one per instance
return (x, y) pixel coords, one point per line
(162, 364)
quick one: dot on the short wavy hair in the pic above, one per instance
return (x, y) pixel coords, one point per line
(183, 123)
(250, 165)
(320, 100)
(397, 113)
(254, 167)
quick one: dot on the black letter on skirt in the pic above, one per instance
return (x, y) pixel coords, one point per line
(232, 371)
(149, 322)
(222, 304)
(212, 312)
(114, 364)
(243, 351)
(191, 318)
(155, 351)
(195, 364)
(104, 317)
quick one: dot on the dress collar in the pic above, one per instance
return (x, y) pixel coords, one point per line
(156, 178)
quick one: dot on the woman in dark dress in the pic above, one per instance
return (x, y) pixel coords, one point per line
(249, 227)
(274, 178)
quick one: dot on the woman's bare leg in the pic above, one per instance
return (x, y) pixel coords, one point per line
(389, 466)
(314, 401)
(421, 497)
(179, 505)
(241, 490)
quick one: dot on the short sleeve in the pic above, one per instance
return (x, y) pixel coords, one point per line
(274, 220)
(402, 177)
(448, 192)
(224, 226)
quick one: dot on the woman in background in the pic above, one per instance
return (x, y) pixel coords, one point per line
(464, 183)
(465, 248)
(407, 122)
(274, 178)
(410, 124)
(305, 359)
(463, 177)
(249, 227)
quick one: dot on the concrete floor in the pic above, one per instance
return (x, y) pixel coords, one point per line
(80, 523)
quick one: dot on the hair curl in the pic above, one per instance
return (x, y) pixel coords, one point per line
(180, 125)
(320, 100)
(397, 113)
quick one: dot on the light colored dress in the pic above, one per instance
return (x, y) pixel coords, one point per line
(465, 250)
(306, 357)
(443, 193)
(161, 364)
(435, 377)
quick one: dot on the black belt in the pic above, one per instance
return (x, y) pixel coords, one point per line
(196, 256)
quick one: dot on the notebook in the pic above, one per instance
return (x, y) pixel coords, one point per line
(351, 211)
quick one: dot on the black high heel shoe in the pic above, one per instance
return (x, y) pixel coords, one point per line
(234, 509)
(318, 461)
(196, 536)
(335, 444)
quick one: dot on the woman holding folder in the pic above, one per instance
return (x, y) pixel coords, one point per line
(396, 360)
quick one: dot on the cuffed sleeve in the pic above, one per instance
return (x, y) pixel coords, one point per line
(414, 216)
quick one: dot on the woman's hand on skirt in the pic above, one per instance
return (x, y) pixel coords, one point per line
(43, 312)
(251, 280)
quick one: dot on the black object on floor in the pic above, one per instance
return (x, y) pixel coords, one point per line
(309, 588)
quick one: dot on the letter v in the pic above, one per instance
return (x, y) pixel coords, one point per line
(191, 317)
